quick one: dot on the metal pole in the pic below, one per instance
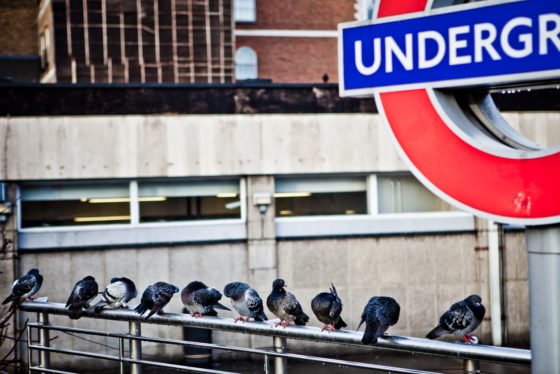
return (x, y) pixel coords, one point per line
(471, 367)
(543, 246)
(280, 363)
(134, 328)
(121, 355)
(29, 354)
(44, 341)
(495, 283)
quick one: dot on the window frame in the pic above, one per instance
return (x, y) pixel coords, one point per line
(134, 233)
(374, 222)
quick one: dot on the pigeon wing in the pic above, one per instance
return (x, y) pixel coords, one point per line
(291, 305)
(23, 285)
(335, 308)
(254, 301)
(87, 290)
(457, 318)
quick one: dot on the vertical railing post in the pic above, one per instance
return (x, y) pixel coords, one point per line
(134, 329)
(280, 363)
(44, 341)
(471, 367)
(29, 354)
(121, 355)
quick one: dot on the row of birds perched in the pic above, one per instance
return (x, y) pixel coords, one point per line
(379, 314)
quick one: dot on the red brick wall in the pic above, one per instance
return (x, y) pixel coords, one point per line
(302, 59)
(301, 14)
(294, 60)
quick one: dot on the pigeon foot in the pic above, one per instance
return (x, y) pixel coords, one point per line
(241, 318)
(284, 324)
(331, 328)
(323, 328)
(467, 339)
(196, 315)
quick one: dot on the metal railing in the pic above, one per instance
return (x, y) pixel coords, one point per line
(470, 354)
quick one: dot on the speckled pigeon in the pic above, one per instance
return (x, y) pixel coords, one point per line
(201, 300)
(117, 294)
(82, 294)
(155, 297)
(24, 287)
(379, 313)
(461, 319)
(327, 308)
(285, 306)
(246, 301)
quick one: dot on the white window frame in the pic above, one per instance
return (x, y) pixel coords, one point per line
(373, 223)
(134, 233)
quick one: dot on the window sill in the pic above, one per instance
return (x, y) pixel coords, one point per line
(382, 224)
(149, 234)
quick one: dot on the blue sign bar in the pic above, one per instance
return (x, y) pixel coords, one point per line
(483, 45)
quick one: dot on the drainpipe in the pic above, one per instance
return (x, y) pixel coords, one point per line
(495, 284)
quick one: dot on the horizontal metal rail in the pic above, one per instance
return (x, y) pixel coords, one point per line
(262, 352)
(399, 343)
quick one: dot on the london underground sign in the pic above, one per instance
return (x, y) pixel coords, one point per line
(410, 50)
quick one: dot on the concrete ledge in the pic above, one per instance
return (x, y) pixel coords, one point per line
(127, 235)
(382, 224)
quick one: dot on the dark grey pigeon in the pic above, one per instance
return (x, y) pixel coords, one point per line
(200, 300)
(24, 287)
(379, 313)
(246, 301)
(461, 319)
(83, 293)
(285, 306)
(117, 294)
(155, 297)
(327, 308)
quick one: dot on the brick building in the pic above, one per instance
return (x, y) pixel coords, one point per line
(291, 40)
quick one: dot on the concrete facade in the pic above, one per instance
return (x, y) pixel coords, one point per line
(425, 272)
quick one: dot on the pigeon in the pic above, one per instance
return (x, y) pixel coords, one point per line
(83, 293)
(327, 308)
(155, 297)
(117, 294)
(246, 301)
(24, 287)
(200, 300)
(379, 313)
(285, 306)
(461, 319)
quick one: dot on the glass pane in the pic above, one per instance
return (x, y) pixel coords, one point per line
(245, 11)
(187, 201)
(338, 203)
(74, 205)
(404, 194)
(320, 196)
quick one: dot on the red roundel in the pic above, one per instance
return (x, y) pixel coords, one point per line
(513, 187)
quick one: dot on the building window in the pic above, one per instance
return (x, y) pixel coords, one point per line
(320, 196)
(245, 10)
(128, 203)
(246, 64)
(405, 194)
(180, 201)
(74, 205)
(44, 45)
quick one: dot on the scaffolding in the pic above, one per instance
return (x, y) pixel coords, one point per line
(143, 41)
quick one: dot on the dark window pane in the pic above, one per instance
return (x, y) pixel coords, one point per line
(334, 203)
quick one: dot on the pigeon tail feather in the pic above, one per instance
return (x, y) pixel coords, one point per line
(261, 316)
(302, 319)
(371, 333)
(8, 299)
(141, 308)
(220, 306)
(436, 333)
(152, 312)
(339, 324)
